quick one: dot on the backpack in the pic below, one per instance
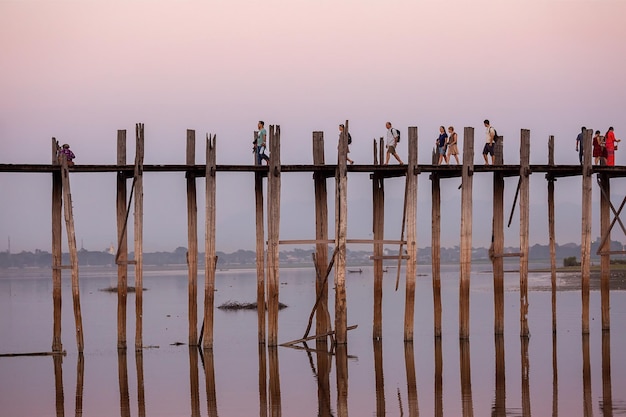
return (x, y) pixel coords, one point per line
(398, 132)
(496, 138)
(349, 138)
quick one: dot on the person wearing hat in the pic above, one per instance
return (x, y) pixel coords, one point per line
(68, 154)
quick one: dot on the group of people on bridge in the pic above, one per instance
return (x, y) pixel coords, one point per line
(603, 147)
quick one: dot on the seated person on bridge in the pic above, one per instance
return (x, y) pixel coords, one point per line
(67, 154)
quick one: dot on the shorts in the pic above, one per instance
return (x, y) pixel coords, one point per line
(442, 150)
(391, 149)
(488, 149)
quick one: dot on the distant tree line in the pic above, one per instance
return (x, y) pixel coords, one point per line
(296, 257)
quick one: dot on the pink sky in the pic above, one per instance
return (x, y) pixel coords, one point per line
(81, 70)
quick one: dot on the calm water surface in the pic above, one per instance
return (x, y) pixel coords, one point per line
(567, 375)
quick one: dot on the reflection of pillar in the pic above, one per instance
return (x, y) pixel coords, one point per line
(262, 381)
(525, 376)
(122, 373)
(341, 358)
(209, 378)
(80, 374)
(466, 379)
(323, 378)
(380, 377)
(499, 403)
(275, 407)
(587, 400)
(555, 378)
(58, 385)
(438, 379)
(607, 397)
(141, 399)
(193, 381)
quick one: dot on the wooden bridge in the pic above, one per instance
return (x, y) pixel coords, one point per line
(267, 248)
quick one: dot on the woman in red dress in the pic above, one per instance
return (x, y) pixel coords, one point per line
(611, 145)
(597, 148)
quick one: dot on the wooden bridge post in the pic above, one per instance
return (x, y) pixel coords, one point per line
(122, 242)
(322, 318)
(551, 230)
(273, 228)
(210, 259)
(341, 226)
(436, 249)
(71, 243)
(585, 245)
(466, 231)
(378, 228)
(524, 210)
(497, 260)
(139, 134)
(260, 249)
(411, 235)
(57, 208)
(192, 239)
(605, 255)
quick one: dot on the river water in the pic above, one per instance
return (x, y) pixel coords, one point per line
(565, 374)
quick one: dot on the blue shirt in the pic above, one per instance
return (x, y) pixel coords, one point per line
(441, 142)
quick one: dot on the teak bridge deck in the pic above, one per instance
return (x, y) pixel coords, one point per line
(267, 249)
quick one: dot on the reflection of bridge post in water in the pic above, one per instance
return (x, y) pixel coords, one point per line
(379, 376)
(58, 385)
(555, 378)
(438, 380)
(607, 398)
(587, 399)
(411, 380)
(141, 398)
(275, 406)
(499, 403)
(524, 341)
(466, 379)
(324, 364)
(194, 383)
(341, 363)
(80, 374)
(262, 381)
(208, 364)
(122, 373)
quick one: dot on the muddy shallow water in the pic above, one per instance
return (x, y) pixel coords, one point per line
(568, 374)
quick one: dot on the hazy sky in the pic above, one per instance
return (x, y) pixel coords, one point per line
(81, 70)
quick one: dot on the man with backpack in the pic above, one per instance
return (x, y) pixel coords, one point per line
(490, 140)
(393, 137)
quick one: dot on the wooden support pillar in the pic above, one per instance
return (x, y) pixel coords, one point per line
(605, 256)
(438, 381)
(122, 242)
(273, 229)
(322, 316)
(80, 378)
(436, 249)
(607, 395)
(585, 244)
(587, 394)
(498, 151)
(524, 214)
(411, 234)
(71, 243)
(378, 228)
(57, 208)
(139, 146)
(192, 239)
(341, 227)
(497, 245)
(466, 231)
(555, 376)
(210, 259)
(551, 230)
(260, 250)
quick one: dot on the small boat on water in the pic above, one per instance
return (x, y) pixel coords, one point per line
(358, 271)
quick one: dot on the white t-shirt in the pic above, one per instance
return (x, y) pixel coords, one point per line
(391, 136)
(488, 134)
